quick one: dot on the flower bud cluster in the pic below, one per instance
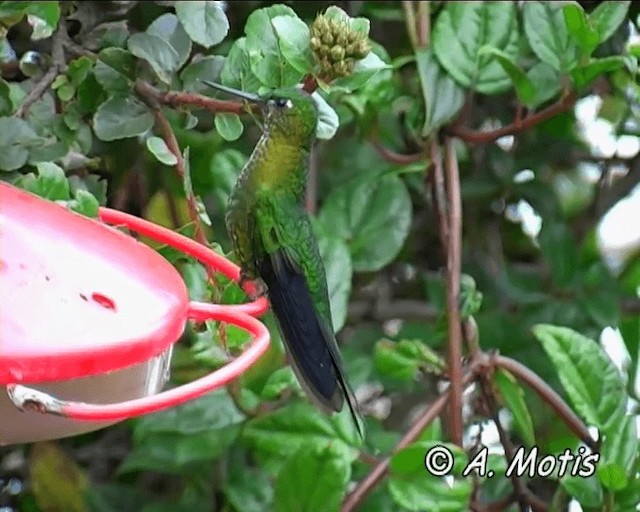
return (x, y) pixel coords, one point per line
(336, 47)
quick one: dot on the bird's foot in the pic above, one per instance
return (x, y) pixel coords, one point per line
(254, 288)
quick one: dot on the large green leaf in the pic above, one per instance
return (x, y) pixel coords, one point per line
(16, 137)
(282, 432)
(205, 22)
(548, 36)
(372, 216)
(168, 28)
(608, 16)
(619, 451)
(443, 98)
(314, 479)
(463, 29)
(337, 264)
(262, 45)
(198, 430)
(157, 51)
(119, 118)
(513, 396)
(415, 488)
(591, 380)
(403, 359)
(293, 37)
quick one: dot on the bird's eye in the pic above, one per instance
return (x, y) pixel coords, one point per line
(282, 102)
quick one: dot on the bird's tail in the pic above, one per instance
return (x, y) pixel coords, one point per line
(310, 343)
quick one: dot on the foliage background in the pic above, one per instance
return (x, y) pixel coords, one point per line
(79, 97)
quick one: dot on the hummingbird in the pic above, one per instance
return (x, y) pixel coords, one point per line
(273, 240)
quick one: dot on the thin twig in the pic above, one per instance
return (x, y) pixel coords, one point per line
(424, 24)
(438, 191)
(396, 158)
(454, 265)
(187, 99)
(550, 397)
(357, 496)
(410, 20)
(519, 125)
(58, 65)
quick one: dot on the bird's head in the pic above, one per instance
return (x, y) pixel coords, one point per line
(289, 112)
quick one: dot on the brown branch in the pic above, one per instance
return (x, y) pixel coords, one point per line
(424, 24)
(380, 470)
(396, 158)
(549, 396)
(438, 191)
(519, 125)
(311, 198)
(309, 84)
(410, 20)
(187, 99)
(454, 268)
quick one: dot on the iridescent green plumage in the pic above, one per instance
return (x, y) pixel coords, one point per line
(273, 239)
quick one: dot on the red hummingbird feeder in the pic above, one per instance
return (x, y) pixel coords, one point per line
(89, 316)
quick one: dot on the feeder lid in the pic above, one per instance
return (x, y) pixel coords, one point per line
(77, 297)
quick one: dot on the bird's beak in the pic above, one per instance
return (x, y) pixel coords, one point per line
(253, 98)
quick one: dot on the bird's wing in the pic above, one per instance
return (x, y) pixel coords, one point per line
(308, 337)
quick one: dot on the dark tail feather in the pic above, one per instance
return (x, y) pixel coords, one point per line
(309, 343)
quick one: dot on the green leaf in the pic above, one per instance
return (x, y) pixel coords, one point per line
(314, 479)
(337, 264)
(608, 16)
(546, 82)
(157, 52)
(293, 37)
(159, 149)
(462, 29)
(513, 396)
(403, 360)
(580, 27)
(548, 36)
(79, 69)
(373, 217)
(237, 68)
(282, 432)
(558, 246)
(6, 104)
(168, 28)
(197, 430)
(114, 69)
(85, 203)
(363, 71)
(228, 125)
(443, 98)
(66, 92)
(525, 90)
(584, 74)
(587, 491)
(52, 181)
(618, 454)
(589, 377)
(415, 488)
(119, 118)
(202, 68)
(224, 169)
(16, 137)
(205, 22)
(49, 12)
(263, 48)
(247, 489)
(328, 121)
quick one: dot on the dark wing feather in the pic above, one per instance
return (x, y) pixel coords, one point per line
(309, 342)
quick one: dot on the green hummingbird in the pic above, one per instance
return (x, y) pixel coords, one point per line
(273, 239)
